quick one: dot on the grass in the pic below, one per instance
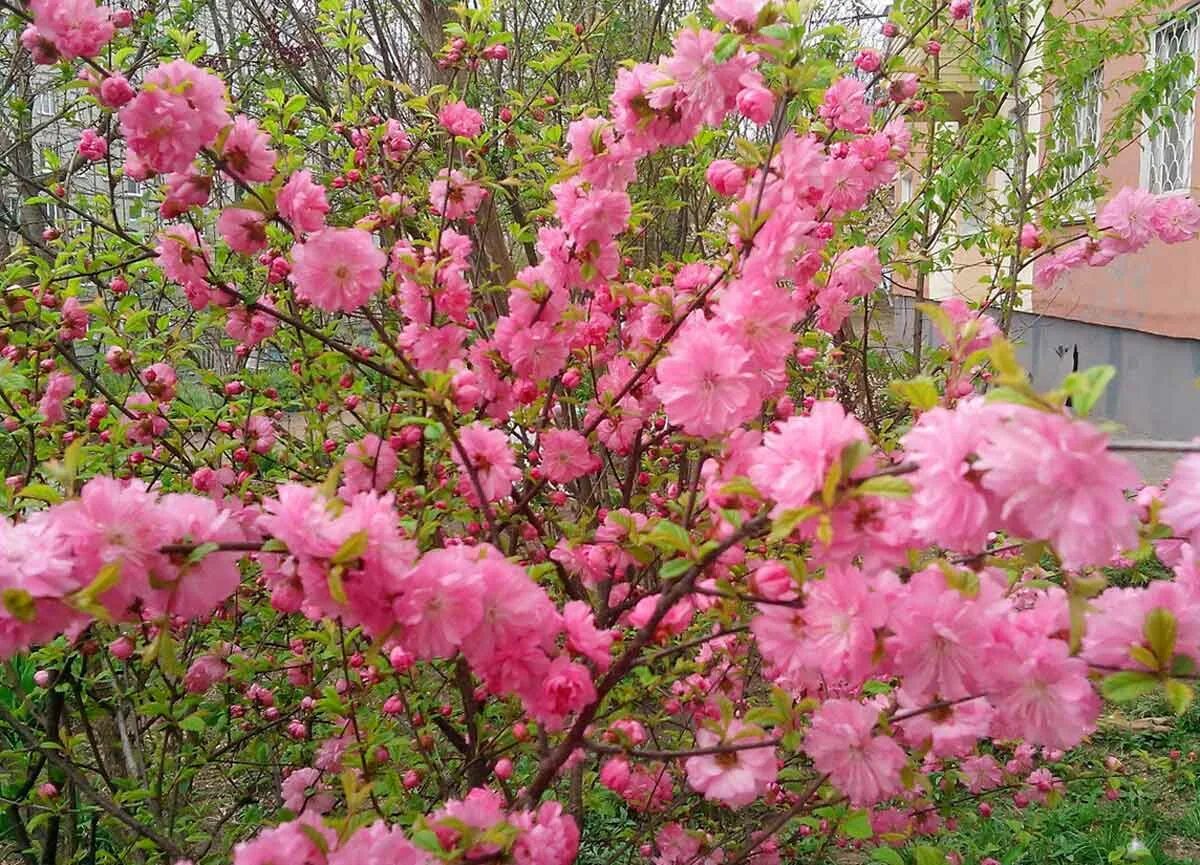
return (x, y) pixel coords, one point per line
(1159, 806)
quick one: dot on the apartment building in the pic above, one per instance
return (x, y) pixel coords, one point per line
(1141, 314)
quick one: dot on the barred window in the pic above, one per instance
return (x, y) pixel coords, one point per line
(1168, 153)
(1077, 128)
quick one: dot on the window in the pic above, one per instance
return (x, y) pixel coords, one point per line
(1167, 157)
(1077, 128)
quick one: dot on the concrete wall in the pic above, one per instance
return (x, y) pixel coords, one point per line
(1154, 394)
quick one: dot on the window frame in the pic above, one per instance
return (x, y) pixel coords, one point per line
(1150, 174)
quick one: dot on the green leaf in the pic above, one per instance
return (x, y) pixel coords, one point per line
(858, 825)
(1087, 386)
(666, 535)
(193, 723)
(1179, 695)
(887, 856)
(886, 487)
(923, 854)
(1159, 629)
(351, 550)
(920, 393)
(788, 520)
(197, 555)
(42, 493)
(1128, 685)
(1183, 665)
(726, 47)
(337, 586)
(674, 569)
(19, 604)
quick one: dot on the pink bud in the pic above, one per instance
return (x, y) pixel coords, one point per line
(504, 768)
(121, 648)
(47, 790)
(43, 678)
(400, 659)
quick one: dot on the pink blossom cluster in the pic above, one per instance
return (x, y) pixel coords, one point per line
(477, 826)
(1128, 222)
(102, 554)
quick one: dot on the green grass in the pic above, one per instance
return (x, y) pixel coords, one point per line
(1159, 806)
(1159, 803)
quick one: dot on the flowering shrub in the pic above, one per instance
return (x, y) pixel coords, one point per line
(451, 548)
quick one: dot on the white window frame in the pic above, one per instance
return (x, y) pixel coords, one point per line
(1085, 130)
(1154, 160)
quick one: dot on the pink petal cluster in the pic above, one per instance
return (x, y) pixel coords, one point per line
(179, 110)
(337, 269)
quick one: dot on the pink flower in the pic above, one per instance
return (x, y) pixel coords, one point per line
(370, 464)
(940, 640)
(246, 154)
(205, 672)
(867, 61)
(1055, 479)
(193, 589)
(756, 103)
(841, 614)
(182, 255)
(734, 778)
(486, 457)
(710, 85)
(243, 229)
(841, 744)
(704, 382)
(291, 842)
(1129, 215)
(950, 505)
(115, 90)
(981, 773)
(960, 9)
(566, 456)
(949, 732)
(651, 109)
(34, 558)
(454, 195)
(1044, 696)
(741, 15)
(185, 189)
(726, 177)
(179, 110)
(58, 388)
(302, 203)
(903, 87)
(1182, 499)
(77, 28)
(377, 844)
(74, 320)
(252, 327)
(583, 638)
(296, 795)
(439, 603)
(458, 118)
(92, 147)
(845, 107)
(792, 462)
(337, 268)
(41, 50)
(1175, 218)
(565, 689)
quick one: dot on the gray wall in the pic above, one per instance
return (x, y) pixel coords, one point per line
(1154, 394)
